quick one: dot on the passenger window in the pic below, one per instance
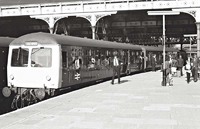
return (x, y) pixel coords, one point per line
(41, 57)
(19, 57)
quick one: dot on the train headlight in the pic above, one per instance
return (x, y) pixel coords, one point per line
(6, 92)
(11, 77)
(48, 78)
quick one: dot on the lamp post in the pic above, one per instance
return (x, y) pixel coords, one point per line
(190, 36)
(163, 13)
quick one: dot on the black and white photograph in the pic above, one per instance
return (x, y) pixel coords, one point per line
(100, 64)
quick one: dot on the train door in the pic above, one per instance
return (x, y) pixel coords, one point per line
(124, 57)
(65, 68)
(135, 60)
(72, 57)
(145, 59)
(149, 61)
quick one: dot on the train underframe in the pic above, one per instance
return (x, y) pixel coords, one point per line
(26, 96)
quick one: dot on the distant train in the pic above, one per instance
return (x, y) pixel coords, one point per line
(4, 46)
(39, 64)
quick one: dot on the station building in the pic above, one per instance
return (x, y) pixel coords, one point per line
(124, 21)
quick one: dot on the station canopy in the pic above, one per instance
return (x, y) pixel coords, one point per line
(130, 26)
(24, 2)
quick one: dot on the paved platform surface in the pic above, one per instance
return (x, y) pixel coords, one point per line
(139, 102)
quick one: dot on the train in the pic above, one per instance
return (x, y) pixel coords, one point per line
(4, 46)
(41, 64)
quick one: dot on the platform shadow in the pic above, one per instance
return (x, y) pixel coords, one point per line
(124, 81)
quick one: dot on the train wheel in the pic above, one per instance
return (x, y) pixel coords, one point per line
(18, 102)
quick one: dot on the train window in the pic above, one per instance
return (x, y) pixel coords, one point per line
(41, 57)
(19, 57)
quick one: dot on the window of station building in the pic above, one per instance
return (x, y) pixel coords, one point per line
(19, 57)
(41, 57)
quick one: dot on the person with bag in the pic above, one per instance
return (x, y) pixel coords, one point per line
(188, 68)
(154, 63)
(180, 63)
(169, 78)
(174, 67)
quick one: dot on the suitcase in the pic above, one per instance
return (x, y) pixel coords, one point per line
(178, 73)
(170, 80)
(174, 71)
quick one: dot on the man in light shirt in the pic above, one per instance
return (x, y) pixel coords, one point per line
(116, 68)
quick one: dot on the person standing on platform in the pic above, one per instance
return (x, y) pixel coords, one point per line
(154, 63)
(140, 62)
(116, 68)
(168, 64)
(168, 76)
(195, 63)
(180, 63)
(174, 67)
(198, 67)
(188, 68)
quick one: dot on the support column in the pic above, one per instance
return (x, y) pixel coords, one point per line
(51, 30)
(51, 23)
(93, 32)
(93, 19)
(49, 19)
(195, 12)
(198, 38)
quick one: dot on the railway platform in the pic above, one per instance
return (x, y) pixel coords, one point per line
(139, 102)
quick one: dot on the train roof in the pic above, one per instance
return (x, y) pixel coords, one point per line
(47, 38)
(168, 49)
(5, 41)
(152, 48)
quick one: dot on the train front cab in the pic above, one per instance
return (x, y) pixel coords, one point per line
(33, 67)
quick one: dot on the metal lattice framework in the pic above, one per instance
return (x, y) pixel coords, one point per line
(51, 12)
(94, 6)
